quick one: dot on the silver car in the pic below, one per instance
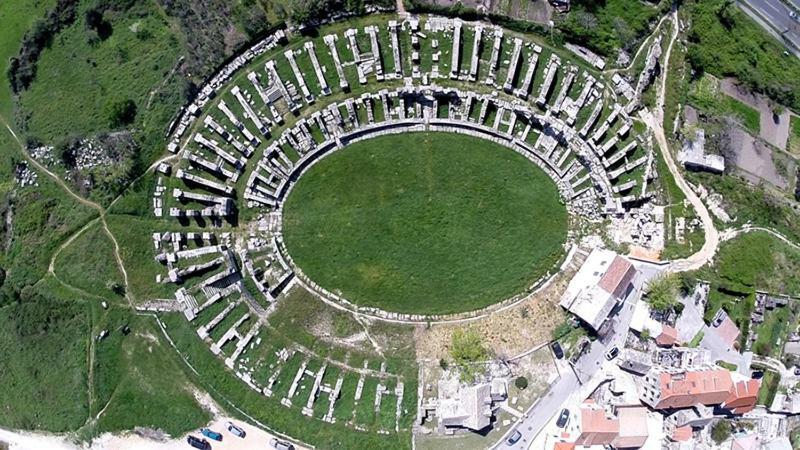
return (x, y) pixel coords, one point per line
(514, 438)
(236, 431)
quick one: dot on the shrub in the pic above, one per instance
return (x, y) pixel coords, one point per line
(725, 42)
(22, 68)
(467, 349)
(521, 382)
(663, 292)
(721, 431)
(120, 113)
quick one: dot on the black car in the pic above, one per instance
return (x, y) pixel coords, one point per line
(202, 444)
(563, 418)
(557, 350)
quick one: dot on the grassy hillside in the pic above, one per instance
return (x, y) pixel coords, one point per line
(88, 263)
(138, 379)
(43, 347)
(607, 26)
(725, 42)
(38, 219)
(49, 355)
(16, 16)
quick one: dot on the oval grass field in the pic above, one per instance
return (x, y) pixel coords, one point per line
(425, 223)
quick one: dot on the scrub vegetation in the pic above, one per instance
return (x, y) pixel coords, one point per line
(725, 42)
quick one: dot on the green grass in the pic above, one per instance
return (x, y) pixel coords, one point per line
(769, 387)
(696, 339)
(609, 25)
(756, 260)
(772, 332)
(134, 235)
(18, 16)
(302, 318)
(752, 204)
(75, 79)
(753, 261)
(794, 135)
(751, 119)
(727, 365)
(50, 357)
(130, 380)
(724, 41)
(88, 263)
(425, 223)
(706, 95)
(224, 387)
(43, 217)
(43, 346)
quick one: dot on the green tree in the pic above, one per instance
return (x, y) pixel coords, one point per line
(662, 293)
(467, 350)
(721, 431)
(521, 382)
(121, 113)
(644, 335)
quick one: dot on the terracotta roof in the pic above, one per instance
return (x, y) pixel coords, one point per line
(596, 427)
(743, 396)
(564, 446)
(618, 276)
(668, 336)
(682, 434)
(682, 390)
(707, 387)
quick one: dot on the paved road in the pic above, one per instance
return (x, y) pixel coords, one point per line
(776, 14)
(538, 416)
(795, 4)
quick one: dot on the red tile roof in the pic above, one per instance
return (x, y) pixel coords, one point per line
(564, 446)
(743, 396)
(706, 387)
(618, 276)
(597, 428)
(682, 434)
(668, 336)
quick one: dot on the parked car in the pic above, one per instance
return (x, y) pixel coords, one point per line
(557, 350)
(757, 374)
(563, 418)
(719, 317)
(211, 434)
(611, 354)
(794, 16)
(514, 438)
(196, 442)
(280, 445)
(236, 431)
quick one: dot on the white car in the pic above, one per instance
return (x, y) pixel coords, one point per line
(612, 353)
